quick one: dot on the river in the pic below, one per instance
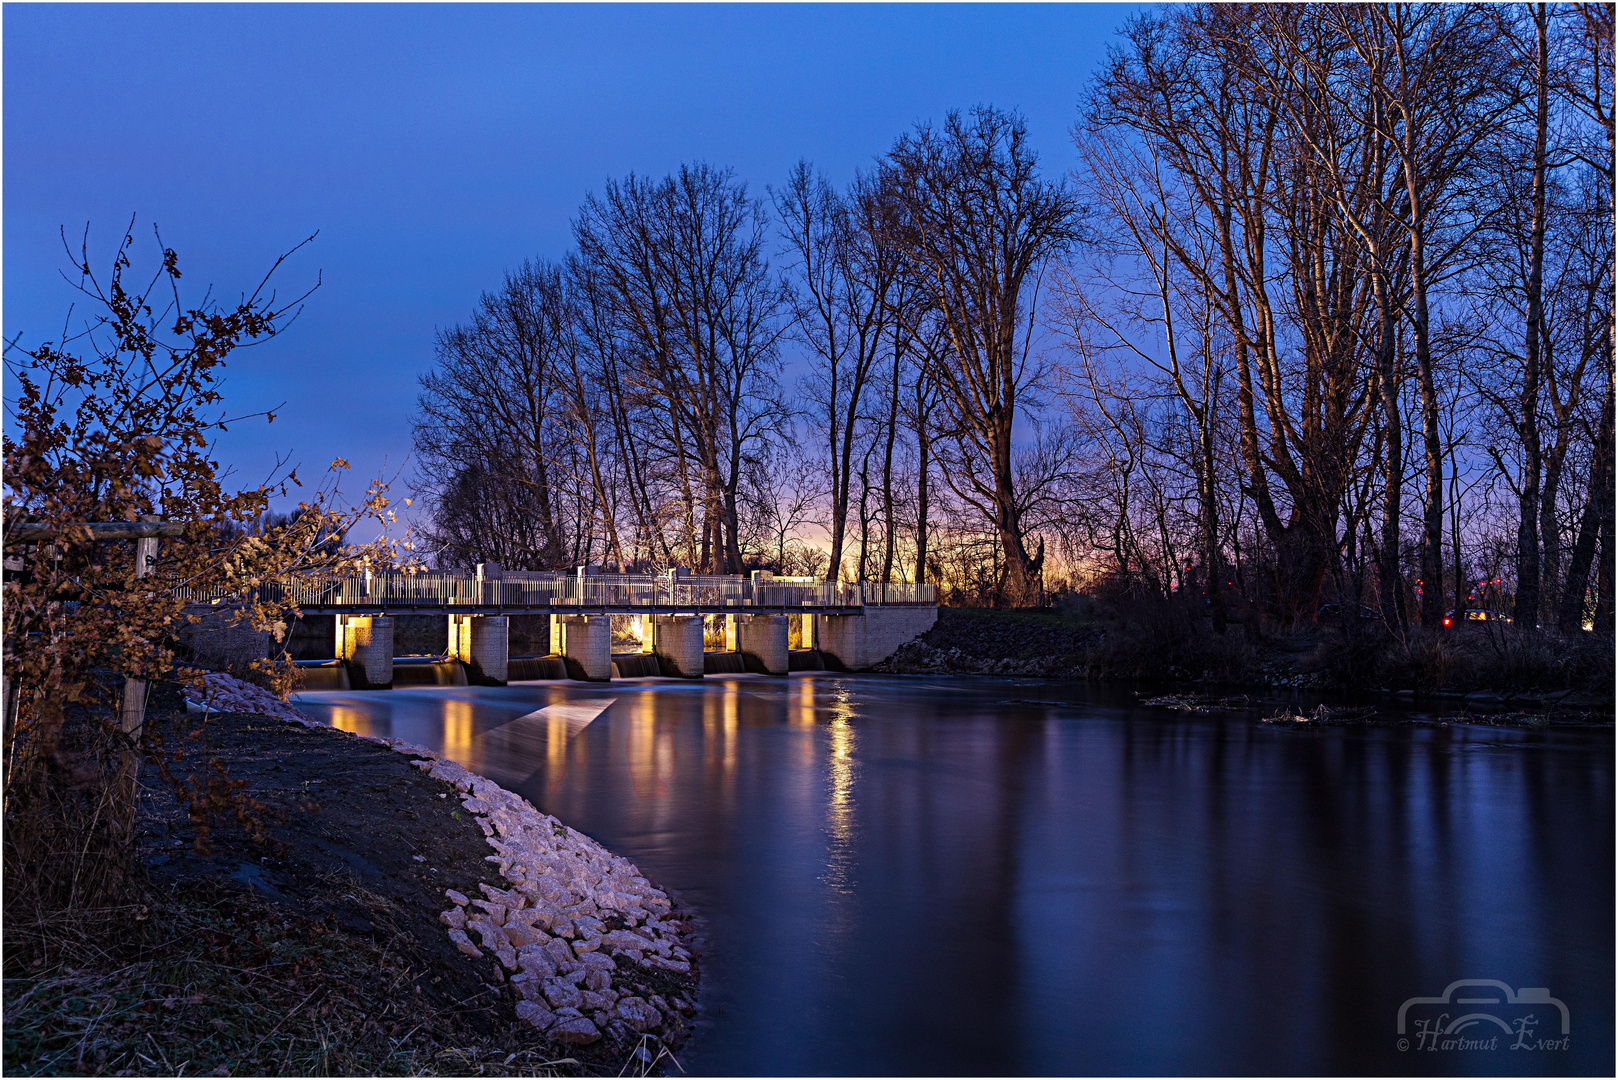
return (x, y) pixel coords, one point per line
(1018, 877)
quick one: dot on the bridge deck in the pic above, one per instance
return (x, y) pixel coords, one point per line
(384, 607)
(555, 593)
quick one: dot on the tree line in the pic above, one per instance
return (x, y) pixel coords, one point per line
(1321, 313)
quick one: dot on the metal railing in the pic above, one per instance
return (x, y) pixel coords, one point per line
(895, 593)
(555, 590)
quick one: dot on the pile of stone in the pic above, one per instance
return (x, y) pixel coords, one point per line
(224, 693)
(579, 928)
(965, 643)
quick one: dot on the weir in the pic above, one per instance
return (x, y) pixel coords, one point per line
(772, 625)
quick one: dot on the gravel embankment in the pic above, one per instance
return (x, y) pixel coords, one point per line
(593, 948)
(971, 643)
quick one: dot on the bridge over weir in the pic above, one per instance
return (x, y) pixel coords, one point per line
(496, 592)
(852, 624)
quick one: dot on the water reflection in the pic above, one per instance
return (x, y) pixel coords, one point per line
(344, 718)
(907, 877)
(556, 736)
(457, 729)
(840, 803)
(641, 745)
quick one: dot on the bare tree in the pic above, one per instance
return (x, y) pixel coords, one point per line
(682, 260)
(840, 299)
(966, 208)
(489, 425)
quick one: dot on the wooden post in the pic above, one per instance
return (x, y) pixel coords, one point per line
(134, 713)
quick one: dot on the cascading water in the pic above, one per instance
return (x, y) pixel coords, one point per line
(635, 665)
(428, 671)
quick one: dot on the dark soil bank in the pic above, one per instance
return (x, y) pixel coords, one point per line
(314, 948)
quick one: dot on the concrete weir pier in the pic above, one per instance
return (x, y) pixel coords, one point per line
(585, 643)
(853, 625)
(762, 641)
(365, 644)
(482, 643)
(677, 644)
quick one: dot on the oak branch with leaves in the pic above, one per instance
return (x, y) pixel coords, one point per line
(115, 422)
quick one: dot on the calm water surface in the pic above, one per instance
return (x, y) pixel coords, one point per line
(924, 876)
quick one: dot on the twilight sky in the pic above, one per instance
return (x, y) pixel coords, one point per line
(434, 146)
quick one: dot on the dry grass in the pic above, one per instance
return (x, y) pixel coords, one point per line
(198, 983)
(69, 806)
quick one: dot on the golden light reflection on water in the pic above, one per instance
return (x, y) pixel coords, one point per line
(641, 744)
(457, 729)
(710, 734)
(840, 801)
(720, 719)
(555, 748)
(344, 718)
(802, 714)
(733, 705)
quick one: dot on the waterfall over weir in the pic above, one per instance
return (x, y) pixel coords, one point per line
(632, 665)
(445, 671)
(428, 671)
(524, 668)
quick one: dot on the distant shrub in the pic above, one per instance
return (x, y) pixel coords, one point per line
(1165, 639)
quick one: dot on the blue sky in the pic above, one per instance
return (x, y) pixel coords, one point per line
(434, 146)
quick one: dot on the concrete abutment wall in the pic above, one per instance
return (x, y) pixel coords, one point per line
(856, 642)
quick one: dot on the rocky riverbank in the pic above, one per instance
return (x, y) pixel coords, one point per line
(593, 950)
(308, 902)
(966, 641)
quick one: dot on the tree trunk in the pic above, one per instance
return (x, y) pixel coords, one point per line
(1462, 588)
(887, 465)
(1301, 568)
(1389, 586)
(1432, 533)
(923, 466)
(1597, 510)
(1212, 560)
(1022, 588)
(1526, 608)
